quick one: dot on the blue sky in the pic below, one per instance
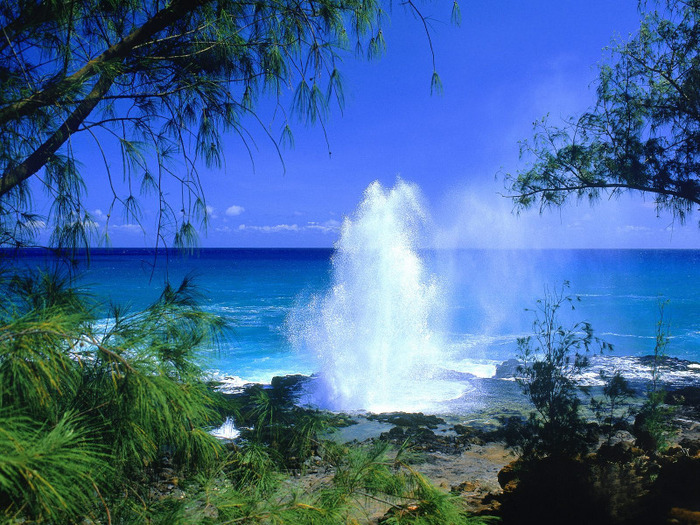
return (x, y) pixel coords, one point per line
(507, 65)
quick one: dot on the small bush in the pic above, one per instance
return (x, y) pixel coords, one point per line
(653, 423)
(552, 358)
(612, 411)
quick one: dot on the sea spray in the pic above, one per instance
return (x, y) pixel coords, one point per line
(374, 332)
(227, 431)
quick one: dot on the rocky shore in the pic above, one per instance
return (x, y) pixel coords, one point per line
(618, 483)
(623, 479)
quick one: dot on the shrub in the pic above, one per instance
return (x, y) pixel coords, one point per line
(611, 411)
(87, 408)
(551, 359)
(653, 423)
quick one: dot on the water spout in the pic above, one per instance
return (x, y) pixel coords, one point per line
(374, 332)
(227, 431)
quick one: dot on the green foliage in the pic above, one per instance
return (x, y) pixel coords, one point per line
(160, 82)
(38, 369)
(644, 132)
(653, 423)
(290, 432)
(367, 480)
(611, 411)
(87, 408)
(551, 360)
(49, 472)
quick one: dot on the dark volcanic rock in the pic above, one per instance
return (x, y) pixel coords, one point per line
(290, 384)
(421, 439)
(687, 396)
(410, 420)
(676, 487)
(621, 452)
(692, 446)
(508, 474)
(550, 490)
(619, 484)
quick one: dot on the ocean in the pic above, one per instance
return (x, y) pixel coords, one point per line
(479, 301)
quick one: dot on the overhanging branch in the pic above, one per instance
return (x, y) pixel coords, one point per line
(34, 162)
(534, 192)
(52, 93)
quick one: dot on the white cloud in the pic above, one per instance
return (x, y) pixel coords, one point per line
(271, 229)
(630, 228)
(234, 210)
(331, 226)
(210, 212)
(128, 228)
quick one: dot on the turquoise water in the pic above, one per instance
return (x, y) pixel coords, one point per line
(485, 296)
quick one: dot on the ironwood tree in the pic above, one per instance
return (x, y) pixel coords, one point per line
(161, 79)
(643, 133)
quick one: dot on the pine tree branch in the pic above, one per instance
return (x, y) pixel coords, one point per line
(34, 162)
(114, 54)
(602, 185)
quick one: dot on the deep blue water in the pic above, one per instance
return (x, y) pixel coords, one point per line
(485, 294)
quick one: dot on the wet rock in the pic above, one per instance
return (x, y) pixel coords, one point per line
(465, 486)
(395, 434)
(411, 420)
(468, 435)
(290, 384)
(463, 430)
(422, 440)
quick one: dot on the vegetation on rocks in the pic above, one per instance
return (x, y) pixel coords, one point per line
(566, 472)
(89, 408)
(551, 359)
